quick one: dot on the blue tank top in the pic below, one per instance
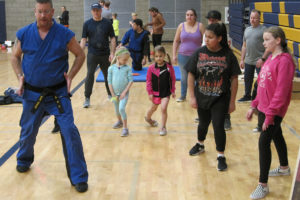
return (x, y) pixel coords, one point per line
(189, 42)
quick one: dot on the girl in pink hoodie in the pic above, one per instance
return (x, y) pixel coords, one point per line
(275, 84)
(160, 86)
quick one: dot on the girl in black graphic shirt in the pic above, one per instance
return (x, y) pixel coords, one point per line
(214, 68)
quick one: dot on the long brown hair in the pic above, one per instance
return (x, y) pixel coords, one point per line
(162, 49)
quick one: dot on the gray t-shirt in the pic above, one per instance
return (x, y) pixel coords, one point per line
(254, 44)
(106, 13)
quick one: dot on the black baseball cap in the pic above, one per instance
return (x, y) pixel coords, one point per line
(96, 6)
(214, 14)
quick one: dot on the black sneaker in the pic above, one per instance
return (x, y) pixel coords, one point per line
(56, 127)
(22, 169)
(244, 99)
(221, 163)
(81, 187)
(227, 124)
(197, 149)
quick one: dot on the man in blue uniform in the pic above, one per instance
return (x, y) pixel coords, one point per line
(138, 46)
(40, 61)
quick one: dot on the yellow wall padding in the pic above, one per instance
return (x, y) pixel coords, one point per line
(262, 17)
(282, 7)
(297, 21)
(291, 33)
(283, 19)
(290, 45)
(263, 7)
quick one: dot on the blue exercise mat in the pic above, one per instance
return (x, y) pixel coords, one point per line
(142, 75)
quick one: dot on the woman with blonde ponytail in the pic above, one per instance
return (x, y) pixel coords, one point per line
(119, 81)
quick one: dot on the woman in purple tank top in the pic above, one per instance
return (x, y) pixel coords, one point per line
(188, 38)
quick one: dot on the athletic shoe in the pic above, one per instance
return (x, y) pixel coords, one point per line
(260, 192)
(221, 163)
(22, 169)
(118, 124)
(227, 124)
(244, 99)
(256, 130)
(163, 132)
(86, 103)
(280, 172)
(181, 99)
(197, 149)
(125, 132)
(81, 187)
(151, 122)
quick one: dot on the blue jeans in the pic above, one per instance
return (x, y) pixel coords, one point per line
(248, 78)
(182, 60)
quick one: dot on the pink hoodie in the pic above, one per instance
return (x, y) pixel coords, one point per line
(275, 84)
(156, 71)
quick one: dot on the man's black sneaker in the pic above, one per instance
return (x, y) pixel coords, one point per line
(227, 124)
(244, 99)
(56, 127)
(197, 149)
(221, 163)
(81, 187)
(22, 169)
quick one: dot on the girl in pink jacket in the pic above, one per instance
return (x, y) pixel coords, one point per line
(275, 84)
(160, 86)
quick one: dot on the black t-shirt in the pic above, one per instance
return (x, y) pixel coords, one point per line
(212, 71)
(164, 81)
(98, 34)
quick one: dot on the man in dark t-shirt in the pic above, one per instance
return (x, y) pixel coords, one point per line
(97, 32)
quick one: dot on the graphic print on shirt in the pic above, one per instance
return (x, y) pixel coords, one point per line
(264, 75)
(210, 77)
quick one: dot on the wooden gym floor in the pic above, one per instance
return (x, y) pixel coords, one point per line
(143, 165)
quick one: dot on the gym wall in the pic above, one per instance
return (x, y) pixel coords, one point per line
(21, 12)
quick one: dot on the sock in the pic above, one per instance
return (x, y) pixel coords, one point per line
(221, 155)
(201, 143)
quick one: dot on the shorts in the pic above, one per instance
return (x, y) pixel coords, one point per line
(156, 100)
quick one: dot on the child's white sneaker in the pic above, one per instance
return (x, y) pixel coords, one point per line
(280, 172)
(125, 132)
(260, 192)
(163, 132)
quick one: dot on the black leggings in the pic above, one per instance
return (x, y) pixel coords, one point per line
(216, 114)
(274, 133)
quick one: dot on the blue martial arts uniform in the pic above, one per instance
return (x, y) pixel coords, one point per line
(44, 63)
(138, 46)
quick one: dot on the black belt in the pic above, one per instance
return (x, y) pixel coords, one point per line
(46, 91)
